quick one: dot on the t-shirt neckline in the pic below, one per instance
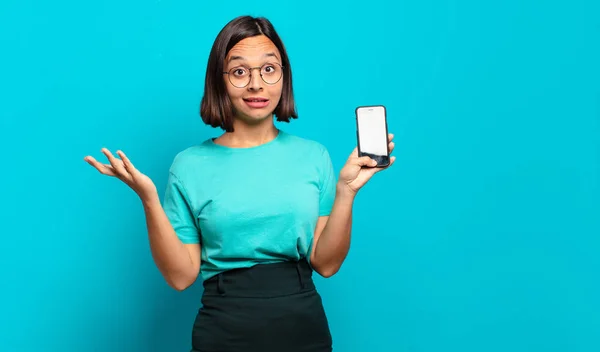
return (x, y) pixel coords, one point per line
(273, 141)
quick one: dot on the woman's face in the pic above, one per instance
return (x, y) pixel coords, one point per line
(254, 100)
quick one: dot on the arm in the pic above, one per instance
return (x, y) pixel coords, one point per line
(179, 263)
(332, 234)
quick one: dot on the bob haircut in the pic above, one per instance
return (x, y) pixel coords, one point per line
(216, 108)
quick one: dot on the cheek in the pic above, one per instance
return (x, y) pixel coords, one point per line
(275, 91)
(235, 96)
(232, 91)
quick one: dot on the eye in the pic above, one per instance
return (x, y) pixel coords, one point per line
(269, 69)
(239, 71)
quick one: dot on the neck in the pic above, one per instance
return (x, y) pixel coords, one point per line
(247, 136)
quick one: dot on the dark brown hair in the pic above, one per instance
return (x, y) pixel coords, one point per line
(216, 108)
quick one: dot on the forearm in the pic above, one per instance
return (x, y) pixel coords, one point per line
(170, 255)
(334, 242)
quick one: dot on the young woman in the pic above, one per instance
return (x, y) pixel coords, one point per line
(254, 211)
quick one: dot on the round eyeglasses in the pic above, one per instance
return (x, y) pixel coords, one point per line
(240, 76)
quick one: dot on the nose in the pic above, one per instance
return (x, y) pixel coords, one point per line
(255, 80)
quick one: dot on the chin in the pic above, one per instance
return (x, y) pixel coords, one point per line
(255, 117)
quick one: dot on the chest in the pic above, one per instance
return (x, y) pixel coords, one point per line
(257, 199)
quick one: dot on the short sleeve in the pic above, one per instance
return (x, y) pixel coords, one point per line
(327, 186)
(179, 211)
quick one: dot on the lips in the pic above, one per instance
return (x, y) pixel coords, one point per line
(256, 102)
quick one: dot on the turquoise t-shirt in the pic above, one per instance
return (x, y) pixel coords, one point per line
(247, 206)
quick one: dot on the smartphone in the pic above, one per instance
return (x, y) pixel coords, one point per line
(372, 133)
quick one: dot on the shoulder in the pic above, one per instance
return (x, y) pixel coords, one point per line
(190, 158)
(305, 145)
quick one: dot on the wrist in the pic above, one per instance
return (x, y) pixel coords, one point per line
(344, 191)
(150, 201)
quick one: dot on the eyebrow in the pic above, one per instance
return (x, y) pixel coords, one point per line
(235, 57)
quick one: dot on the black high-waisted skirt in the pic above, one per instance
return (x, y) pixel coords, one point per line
(266, 308)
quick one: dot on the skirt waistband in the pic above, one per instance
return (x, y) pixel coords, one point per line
(262, 280)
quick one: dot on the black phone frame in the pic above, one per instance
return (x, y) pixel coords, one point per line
(382, 160)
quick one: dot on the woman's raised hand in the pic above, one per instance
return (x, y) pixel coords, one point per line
(124, 170)
(358, 170)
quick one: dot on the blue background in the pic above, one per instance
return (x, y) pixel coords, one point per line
(484, 236)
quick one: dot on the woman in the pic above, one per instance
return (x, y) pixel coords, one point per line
(253, 211)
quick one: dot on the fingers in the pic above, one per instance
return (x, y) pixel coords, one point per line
(120, 168)
(115, 163)
(102, 168)
(126, 162)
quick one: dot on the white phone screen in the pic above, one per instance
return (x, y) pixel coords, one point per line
(372, 131)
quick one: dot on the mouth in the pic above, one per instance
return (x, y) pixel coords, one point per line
(257, 102)
(259, 99)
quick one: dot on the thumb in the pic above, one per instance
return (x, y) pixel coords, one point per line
(366, 161)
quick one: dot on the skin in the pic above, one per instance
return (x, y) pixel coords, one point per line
(252, 127)
(180, 263)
